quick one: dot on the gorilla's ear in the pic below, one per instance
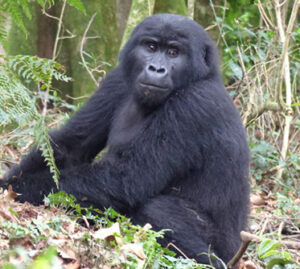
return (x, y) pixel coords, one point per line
(209, 56)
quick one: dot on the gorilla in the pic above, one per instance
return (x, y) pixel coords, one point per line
(177, 155)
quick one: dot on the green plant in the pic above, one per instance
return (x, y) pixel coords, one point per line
(270, 252)
(264, 156)
(46, 260)
(18, 105)
(156, 255)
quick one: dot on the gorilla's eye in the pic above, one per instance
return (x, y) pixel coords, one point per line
(152, 46)
(173, 52)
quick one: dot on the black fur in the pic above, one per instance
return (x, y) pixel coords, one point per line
(177, 152)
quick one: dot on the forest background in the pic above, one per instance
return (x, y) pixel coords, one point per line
(54, 53)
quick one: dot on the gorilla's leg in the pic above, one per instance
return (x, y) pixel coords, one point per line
(191, 231)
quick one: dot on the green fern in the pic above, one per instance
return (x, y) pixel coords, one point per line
(43, 143)
(77, 4)
(44, 3)
(16, 9)
(18, 104)
(3, 32)
(40, 70)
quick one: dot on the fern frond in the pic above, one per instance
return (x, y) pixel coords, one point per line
(16, 104)
(43, 143)
(3, 32)
(77, 4)
(39, 70)
(43, 3)
(16, 9)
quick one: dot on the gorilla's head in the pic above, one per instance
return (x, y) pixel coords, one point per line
(166, 53)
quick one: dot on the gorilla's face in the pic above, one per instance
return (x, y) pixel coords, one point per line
(160, 68)
(166, 53)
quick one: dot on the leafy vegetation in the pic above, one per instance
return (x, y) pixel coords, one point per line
(262, 83)
(112, 241)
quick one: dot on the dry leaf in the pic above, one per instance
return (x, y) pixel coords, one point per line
(11, 195)
(5, 213)
(257, 200)
(147, 226)
(107, 233)
(136, 249)
(66, 252)
(72, 265)
(249, 265)
(25, 242)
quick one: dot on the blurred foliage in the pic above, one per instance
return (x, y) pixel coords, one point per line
(138, 11)
(273, 256)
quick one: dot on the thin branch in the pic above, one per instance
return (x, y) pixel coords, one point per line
(247, 238)
(191, 8)
(267, 106)
(59, 29)
(49, 15)
(84, 38)
(178, 249)
(264, 15)
(219, 26)
(285, 73)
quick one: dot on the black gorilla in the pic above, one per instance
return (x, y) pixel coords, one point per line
(177, 152)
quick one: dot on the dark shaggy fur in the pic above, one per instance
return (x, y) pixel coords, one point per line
(177, 159)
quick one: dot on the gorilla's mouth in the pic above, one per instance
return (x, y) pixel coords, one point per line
(154, 87)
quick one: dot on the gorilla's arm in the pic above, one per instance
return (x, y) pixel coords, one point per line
(83, 136)
(128, 178)
(124, 186)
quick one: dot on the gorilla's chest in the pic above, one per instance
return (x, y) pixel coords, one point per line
(127, 123)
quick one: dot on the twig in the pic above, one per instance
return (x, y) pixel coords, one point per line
(245, 242)
(208, 28)
(79, 97)
(50, 16)
(191, 8)
(251, 95)
(247, 238)
(268, 106)
(219, 26)
(84, 38)
(288, 244)
(264, 227)
(59, 29)
(264, 15)
(285, 72)
(179, 250)
(281, 226)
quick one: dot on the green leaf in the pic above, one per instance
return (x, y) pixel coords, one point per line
(236, 69)
(272, 252)
(278, 261)
(296, 104)
(266, 246)
(77, 4)
(46, 259)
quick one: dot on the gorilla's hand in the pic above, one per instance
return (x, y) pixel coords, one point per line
(25, 184)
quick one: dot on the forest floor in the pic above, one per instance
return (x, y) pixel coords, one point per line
(27, 232)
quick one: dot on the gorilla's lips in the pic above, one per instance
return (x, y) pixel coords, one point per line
(153, 87)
